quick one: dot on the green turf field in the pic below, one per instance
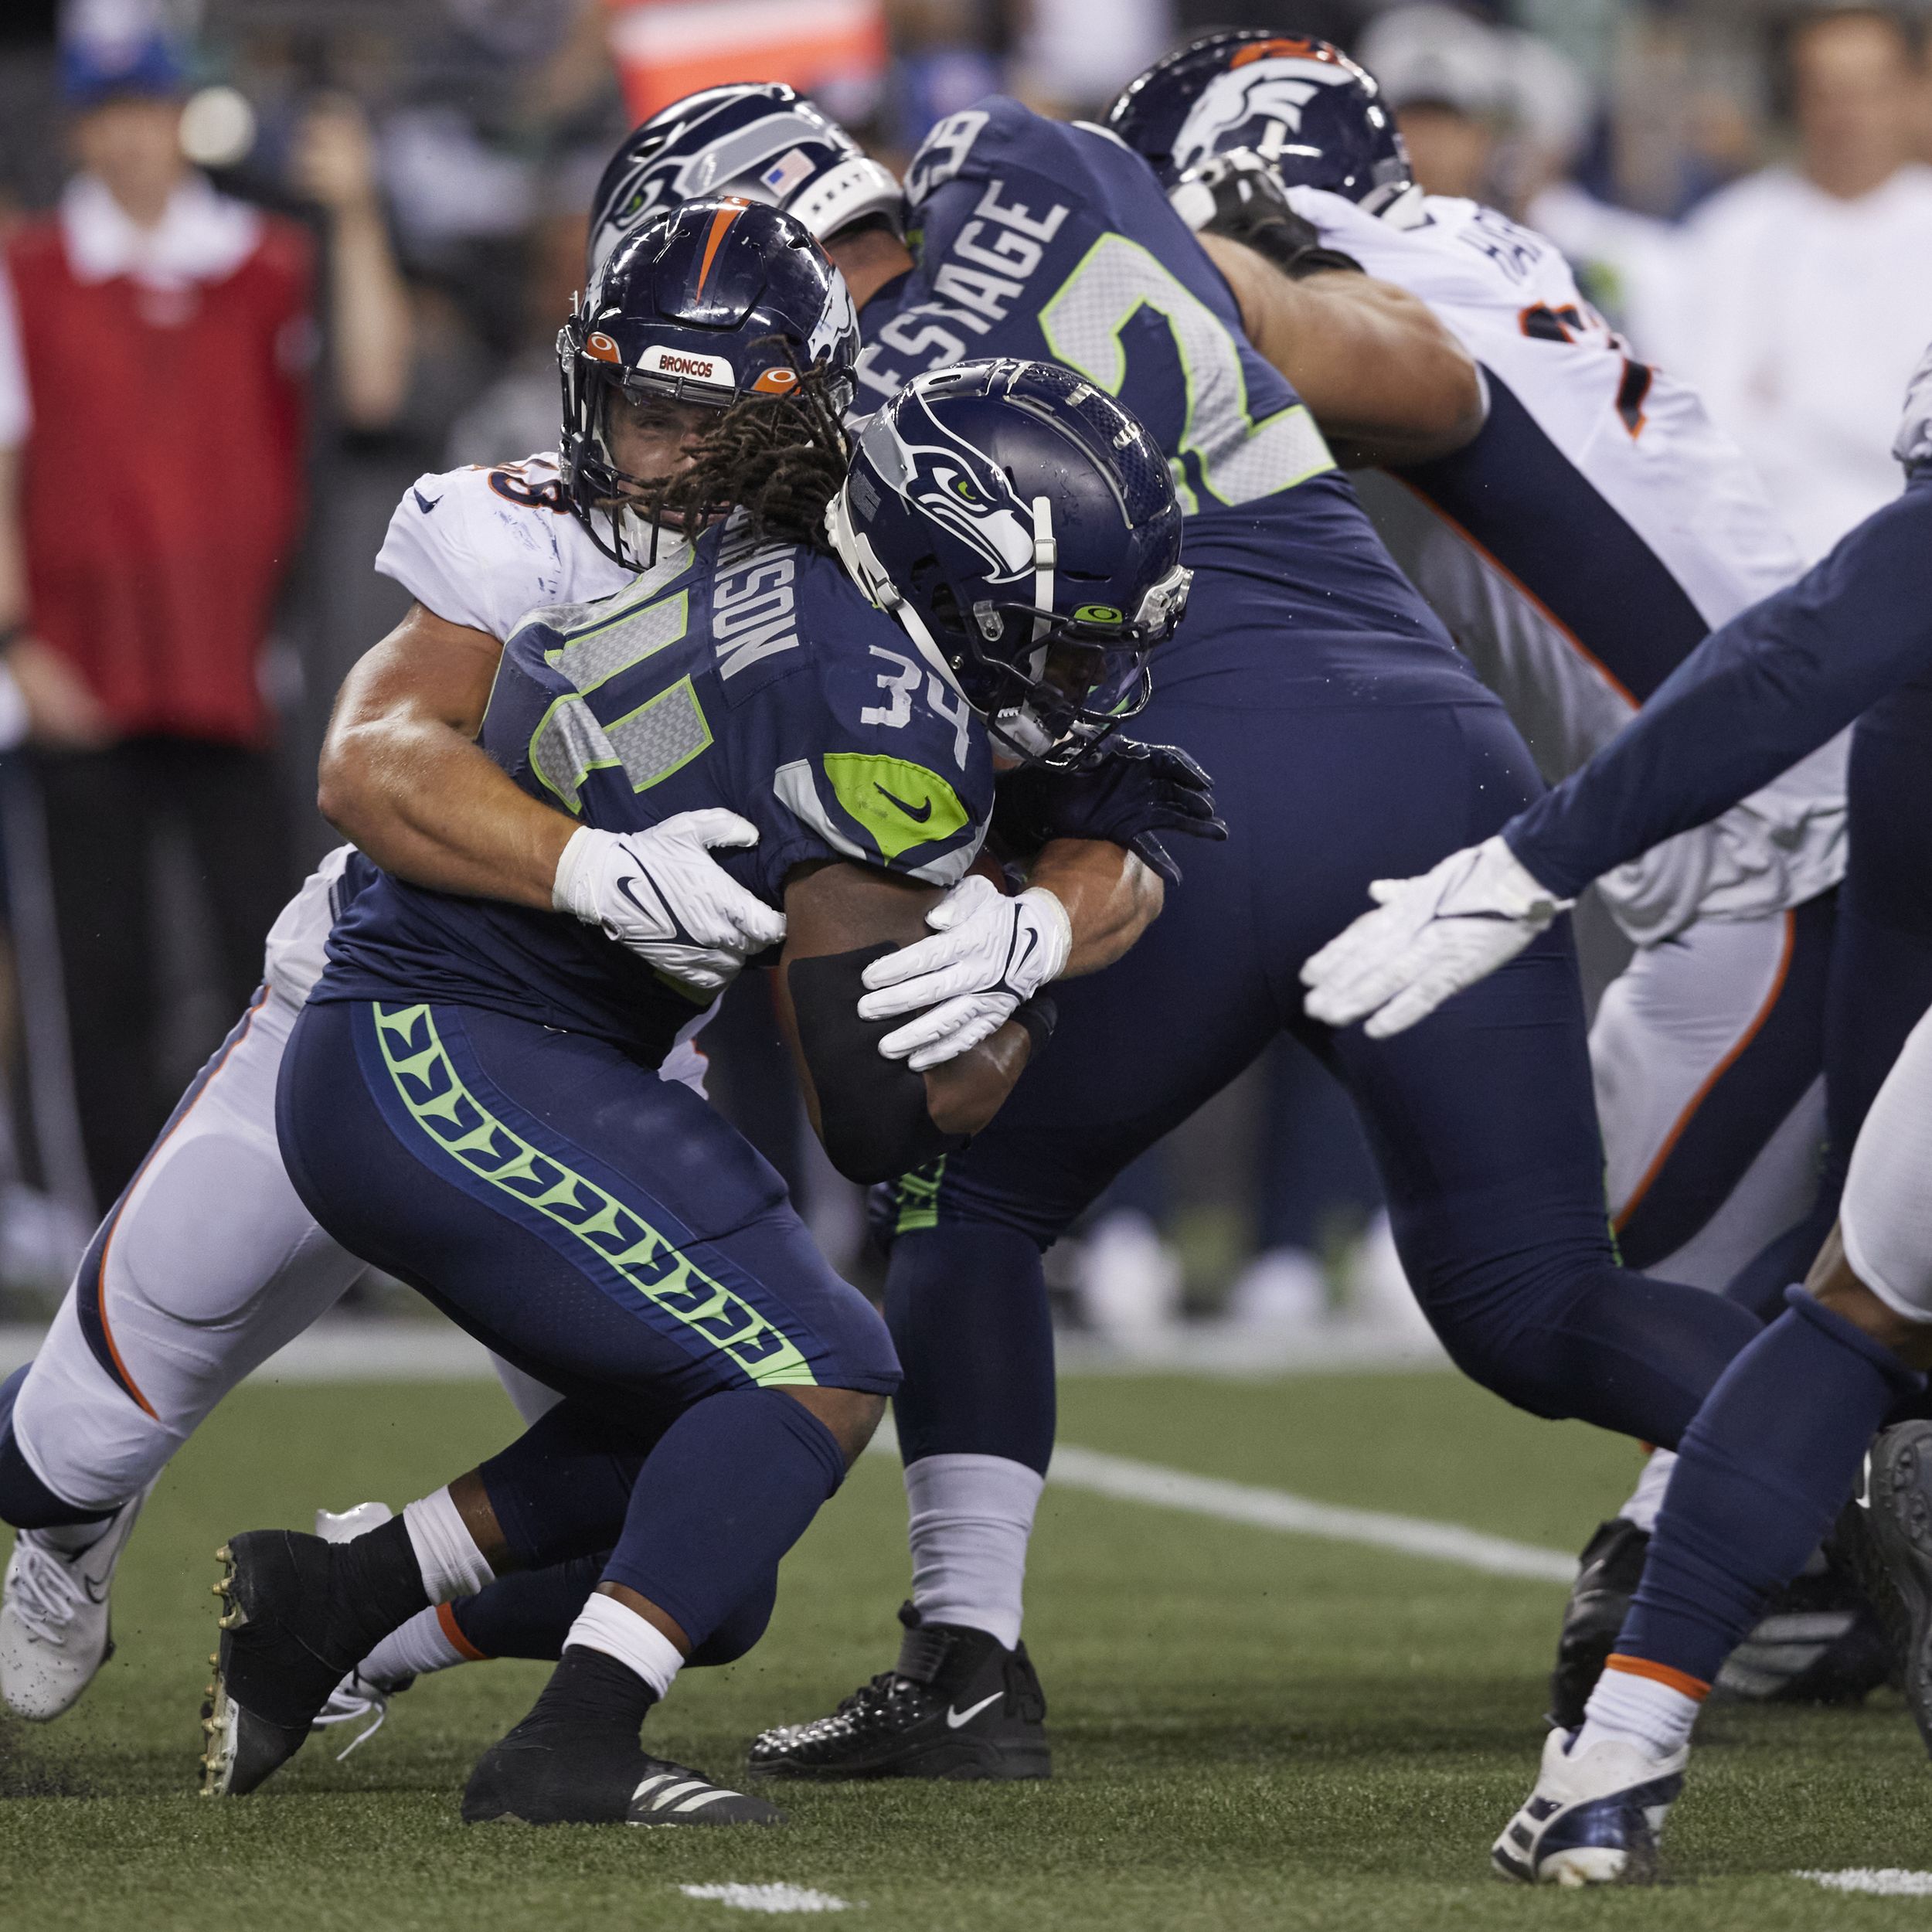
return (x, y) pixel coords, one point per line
(1251, 1730)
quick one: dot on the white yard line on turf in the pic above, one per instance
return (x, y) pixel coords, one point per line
(1888, 1882)
(768, 1898)
(1128, 1480)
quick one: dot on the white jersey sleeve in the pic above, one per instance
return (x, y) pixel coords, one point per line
(483, 546)
(1597, 529)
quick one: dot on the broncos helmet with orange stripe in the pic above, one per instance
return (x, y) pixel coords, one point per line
(713, 302)
(1316, 118)
(761, 140)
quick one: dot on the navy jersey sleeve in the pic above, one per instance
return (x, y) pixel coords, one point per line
(861, 753)
(1776, 682)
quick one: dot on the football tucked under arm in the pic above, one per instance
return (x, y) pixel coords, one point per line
(876, 1117)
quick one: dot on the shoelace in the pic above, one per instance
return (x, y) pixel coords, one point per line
(354, 1697)
(46, 1593)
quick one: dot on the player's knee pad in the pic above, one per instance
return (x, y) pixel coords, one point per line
(25, 1501)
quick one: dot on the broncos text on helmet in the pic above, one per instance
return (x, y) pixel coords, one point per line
(759, 140)
(710, 302)
(1313, 117)
(1023, 529)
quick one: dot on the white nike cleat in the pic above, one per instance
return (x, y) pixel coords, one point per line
(1593, 1820)
(55, 1631)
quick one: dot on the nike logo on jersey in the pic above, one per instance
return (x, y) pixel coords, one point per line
(425, 504)
(918, 817)
(956, 1718)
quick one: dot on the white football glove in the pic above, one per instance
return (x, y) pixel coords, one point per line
(1429, 937)
(660, 894)
(989, 954)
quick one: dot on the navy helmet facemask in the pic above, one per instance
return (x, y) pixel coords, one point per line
(1023, 529)
(714, 303)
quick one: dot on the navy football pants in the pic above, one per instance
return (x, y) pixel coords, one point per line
(607, 1233)
(1481, 1119)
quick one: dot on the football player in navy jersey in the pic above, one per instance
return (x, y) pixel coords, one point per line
(1343, 729)
(1772, 1455)
(1580, 547)
(470, 1099)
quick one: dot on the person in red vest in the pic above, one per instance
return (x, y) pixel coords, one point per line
(155, 340)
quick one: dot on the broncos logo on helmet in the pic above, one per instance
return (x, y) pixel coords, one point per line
(1317, 119)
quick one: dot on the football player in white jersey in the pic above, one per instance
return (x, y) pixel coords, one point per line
(1578, 548)
(209, 1263)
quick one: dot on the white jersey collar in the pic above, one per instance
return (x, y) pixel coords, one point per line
(202, 237)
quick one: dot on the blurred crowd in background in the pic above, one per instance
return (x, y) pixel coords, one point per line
(268, 261)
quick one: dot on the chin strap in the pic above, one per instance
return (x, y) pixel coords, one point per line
(1046, 556)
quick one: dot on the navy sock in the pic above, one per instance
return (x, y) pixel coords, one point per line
(730, 1489)
(966, 1303)
(561, 1489)
(25, 1501)
(1767, 1464)
(529, 1613)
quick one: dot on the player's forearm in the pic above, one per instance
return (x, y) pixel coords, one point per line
(1385, 380)
(426, 804)
(964, 1093)
(1111, 898)
(1775, 683)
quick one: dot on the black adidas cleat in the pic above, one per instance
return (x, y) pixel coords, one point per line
(1819, 1642)
(295, 1622)
(1606, 1577)
(1888, 1535)
(549, 1772)
(957, 1705)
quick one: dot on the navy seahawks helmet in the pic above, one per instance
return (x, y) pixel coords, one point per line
(1315, 117)
(1024, 530)
(759, 140)
(707, 303)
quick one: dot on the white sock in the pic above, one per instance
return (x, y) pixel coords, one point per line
(452, 1565)
(1639, 1710)
(604, 1623)
(971, 1516)
(1648, 1498)
(429, 1642)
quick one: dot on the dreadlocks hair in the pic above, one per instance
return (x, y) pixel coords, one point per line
(780, 459)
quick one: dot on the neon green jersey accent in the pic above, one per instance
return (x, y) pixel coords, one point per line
(901, 804)
(624, 1244)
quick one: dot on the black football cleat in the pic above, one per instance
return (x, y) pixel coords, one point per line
(957, 1705)
(1606, 1577)
(1820, 1640)
(1887, 1534)
(549, 1772)
(296, 1619)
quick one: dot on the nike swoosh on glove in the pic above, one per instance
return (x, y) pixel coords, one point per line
(988, 955)
(660, 894)
(1428, 938)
